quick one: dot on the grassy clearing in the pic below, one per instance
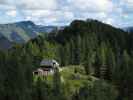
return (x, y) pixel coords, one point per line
(73, 78)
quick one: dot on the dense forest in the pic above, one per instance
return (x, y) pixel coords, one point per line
(103, 51)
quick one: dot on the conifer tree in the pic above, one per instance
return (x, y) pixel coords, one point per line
(61, 55)
(97, 65)
(77, 50)
(123, 76)
(2, 75)
(67, 54)
(72, 51)
(103, 55)
(56, 82)
(111, 64)
(41, 90)
(87, 60)
(58, 93)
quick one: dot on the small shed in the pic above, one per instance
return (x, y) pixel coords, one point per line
(47, 66)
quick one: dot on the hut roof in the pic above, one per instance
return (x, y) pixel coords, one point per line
(49, 62)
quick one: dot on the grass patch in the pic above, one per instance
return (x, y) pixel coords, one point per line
(73, 78)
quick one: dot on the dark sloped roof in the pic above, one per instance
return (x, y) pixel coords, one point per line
(49, 62)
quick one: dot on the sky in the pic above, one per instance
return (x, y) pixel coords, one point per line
(118, 13)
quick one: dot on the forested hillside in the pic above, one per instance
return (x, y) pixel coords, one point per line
(101, 55)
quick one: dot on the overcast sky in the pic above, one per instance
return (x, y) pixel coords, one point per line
(61, 12)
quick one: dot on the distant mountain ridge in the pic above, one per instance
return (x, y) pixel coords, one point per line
(128, 29)
(21, 32)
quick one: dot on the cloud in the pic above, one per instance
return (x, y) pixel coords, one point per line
(126, 6)
(3, 2)
(115, 12)
(109, 21)
(48, 16)
(128, 2)
(12, 13)
(36, 4)
(92, 5)
(59, 11)
(81, 5)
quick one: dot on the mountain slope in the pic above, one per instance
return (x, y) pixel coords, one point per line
(13, 33)
(103, 31)
(128, 29)
(21, 32)
(4, 43)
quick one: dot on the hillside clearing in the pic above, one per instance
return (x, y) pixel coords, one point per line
(73, 77)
